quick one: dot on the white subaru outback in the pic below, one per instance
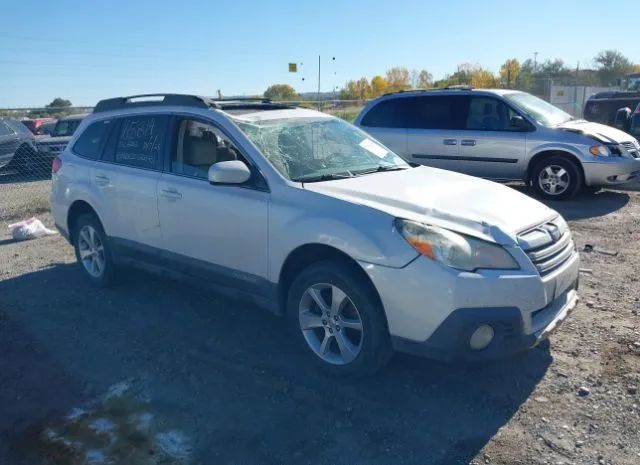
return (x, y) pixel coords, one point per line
(313, 219)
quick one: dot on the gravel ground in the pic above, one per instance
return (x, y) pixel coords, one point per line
(154, 371)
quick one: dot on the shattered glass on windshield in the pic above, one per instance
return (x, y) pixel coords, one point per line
(318, 149)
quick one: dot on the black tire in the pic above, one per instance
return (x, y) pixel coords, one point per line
(375, 347)
(107, 276)
(572, 176)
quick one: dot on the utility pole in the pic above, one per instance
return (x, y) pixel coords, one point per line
(318, 98)
(535, 61)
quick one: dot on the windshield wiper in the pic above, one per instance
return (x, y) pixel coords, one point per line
(321, 177)
(381, 168)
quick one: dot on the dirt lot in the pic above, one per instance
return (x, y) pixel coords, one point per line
(154, 371)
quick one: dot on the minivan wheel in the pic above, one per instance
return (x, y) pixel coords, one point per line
(92, 250)
(556, 178)
(338, 320)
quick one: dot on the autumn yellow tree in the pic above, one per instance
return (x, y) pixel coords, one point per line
(509, 72)
(379, 86)
(482, 78)
(356, 90)
(398, 78)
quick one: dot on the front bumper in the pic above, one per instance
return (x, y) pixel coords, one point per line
(450, 342)
(611, 171)
(432, 310)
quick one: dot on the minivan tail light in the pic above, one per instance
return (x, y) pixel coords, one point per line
(56, 164)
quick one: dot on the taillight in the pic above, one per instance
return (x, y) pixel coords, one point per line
(56, 165)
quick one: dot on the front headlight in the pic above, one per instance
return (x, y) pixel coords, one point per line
(453, 249)
(599, 151)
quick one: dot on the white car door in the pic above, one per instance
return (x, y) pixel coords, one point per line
(216, 231)
(125, 182)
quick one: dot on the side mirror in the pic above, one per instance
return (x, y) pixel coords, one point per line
(518, 122)
(229, 172)
(622, 120)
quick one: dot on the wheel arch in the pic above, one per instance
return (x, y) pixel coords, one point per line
(547, 153)
(308, 254)
(78, 208)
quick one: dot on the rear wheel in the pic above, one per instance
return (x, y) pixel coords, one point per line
(92, 250)
(556, 178)
(338, 320)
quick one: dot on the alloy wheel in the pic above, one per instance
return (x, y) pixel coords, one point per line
(91, 251)
(554, 180)
(330, 323)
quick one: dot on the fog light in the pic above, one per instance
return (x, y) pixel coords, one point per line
(481, 337)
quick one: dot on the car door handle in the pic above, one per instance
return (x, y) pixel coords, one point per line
(171, 194)
(450, 142)
(468, 142)
(101, 179)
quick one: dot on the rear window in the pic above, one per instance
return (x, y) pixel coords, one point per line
(420, 112)
(141, 140)
(391, 113)
(90, 142)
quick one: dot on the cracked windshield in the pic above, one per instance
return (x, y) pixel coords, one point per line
(312, 149)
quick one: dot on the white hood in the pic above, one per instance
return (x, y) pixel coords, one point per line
(603, 133)
(455, 201)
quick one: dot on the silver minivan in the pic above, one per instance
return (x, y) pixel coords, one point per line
(503, 135)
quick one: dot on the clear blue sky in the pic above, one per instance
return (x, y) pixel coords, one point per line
(86, 50)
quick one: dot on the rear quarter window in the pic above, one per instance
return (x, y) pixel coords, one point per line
(91, 141)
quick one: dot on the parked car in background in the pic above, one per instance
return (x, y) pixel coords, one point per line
(17, 146)
(604, 107)
(312, 218)
(46, 129)
(502, 135)
(60, 135)
(37, 125)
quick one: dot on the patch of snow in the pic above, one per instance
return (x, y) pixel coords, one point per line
(174, 443)
(95, 457)
(142, 421)
(102, 425)
(76, 413)
(118, 389)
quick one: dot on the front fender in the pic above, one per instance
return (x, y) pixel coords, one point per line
(363, 233)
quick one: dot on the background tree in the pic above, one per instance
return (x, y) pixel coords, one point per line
(379, 86)
(280, 92)
(425, 79)
(482, 78)
(612, 65)
(398, 79)
(356, 90)
(59, 102)
(58, 107)
(509, 72)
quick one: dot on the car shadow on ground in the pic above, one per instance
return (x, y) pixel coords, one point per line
(583, 206)
(228, 374)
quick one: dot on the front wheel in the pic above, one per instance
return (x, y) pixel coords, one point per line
(337, 318)
(556, 178)
(92, 250)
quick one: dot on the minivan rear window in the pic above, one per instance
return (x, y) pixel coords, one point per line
(91, 140)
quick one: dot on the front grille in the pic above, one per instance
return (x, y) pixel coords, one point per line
(631, 148)
(548, 246)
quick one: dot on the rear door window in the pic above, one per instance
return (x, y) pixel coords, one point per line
(141, 141)
(91, 141)
(391, 113)
(438, 112)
